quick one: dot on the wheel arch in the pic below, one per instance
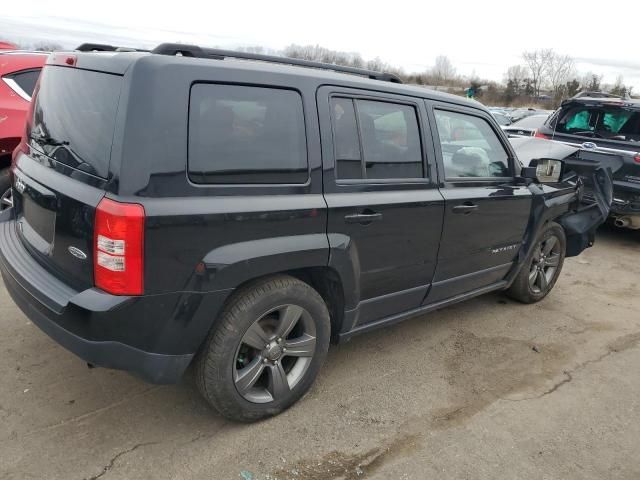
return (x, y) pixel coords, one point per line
(323, 279)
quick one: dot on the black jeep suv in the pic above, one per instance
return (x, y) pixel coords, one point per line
(608, 124)
(238, 215)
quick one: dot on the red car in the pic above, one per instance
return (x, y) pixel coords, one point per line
(19, 71)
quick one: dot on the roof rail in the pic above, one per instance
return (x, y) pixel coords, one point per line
(218, 54)
(102, 47)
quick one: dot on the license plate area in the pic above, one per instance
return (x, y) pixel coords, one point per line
(37, 216)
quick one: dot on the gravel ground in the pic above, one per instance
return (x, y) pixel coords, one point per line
(485, 389)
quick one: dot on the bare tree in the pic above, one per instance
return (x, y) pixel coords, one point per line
(619, 88)
(538, 63)
(560, 69)
(376, 64)
(516, 76)
(591, 82)
(45, 46)
(443, 70)
(252, 49)
(316, 53)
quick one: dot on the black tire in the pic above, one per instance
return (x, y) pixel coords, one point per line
(522, 288)
(5, 186)
(216, 365)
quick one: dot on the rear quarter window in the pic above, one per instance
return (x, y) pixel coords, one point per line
(246, 135)
(26, 80)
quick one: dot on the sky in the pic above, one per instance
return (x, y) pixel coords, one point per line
(481, 38)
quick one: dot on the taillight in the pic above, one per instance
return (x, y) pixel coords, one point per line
(637, 158)
(119, 247)
(537, 134)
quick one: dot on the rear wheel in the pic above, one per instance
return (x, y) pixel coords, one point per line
(541, 271)
(6, 198)
(265, 351)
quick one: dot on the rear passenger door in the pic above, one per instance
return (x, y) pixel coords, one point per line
(384, 212)
(486, 210)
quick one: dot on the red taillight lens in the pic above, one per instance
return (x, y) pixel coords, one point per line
(637, 158)
(537, 134)
(119, 248)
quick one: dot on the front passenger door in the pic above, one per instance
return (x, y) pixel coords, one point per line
(486, 212)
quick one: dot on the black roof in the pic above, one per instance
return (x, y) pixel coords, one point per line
(119, 60)
(602, 99)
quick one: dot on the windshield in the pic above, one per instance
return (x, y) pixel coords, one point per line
(614, 123)
(74, 117)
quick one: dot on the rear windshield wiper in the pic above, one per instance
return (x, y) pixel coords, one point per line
(47, 140)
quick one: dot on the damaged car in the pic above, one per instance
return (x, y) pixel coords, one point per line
(607, 124)
(237, 213)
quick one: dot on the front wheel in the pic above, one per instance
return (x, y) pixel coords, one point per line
(542, 269)
(265, 351)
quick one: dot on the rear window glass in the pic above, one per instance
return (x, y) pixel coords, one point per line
(26, 80)
(246, 135)
(390, 139)
(612, 123)
(74, 117)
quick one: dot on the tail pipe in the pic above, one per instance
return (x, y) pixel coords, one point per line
(630, 221)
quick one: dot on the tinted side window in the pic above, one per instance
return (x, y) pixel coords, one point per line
(470, 147)
(390, 140)
(26, 80)
(240, 134)
(383, 143)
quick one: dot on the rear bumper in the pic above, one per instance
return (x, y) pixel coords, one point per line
(626, 198)
(622, 208)
(99, 328)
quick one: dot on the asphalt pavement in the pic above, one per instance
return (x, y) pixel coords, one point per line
(487, 389)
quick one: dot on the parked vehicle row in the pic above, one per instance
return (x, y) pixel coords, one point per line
(507, 115)
(525, 127)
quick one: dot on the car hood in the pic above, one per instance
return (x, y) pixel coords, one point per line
(528, 148)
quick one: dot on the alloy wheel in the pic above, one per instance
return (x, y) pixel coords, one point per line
(274, 354)
(546, 258)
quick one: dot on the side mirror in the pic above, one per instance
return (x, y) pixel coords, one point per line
(544, 170)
